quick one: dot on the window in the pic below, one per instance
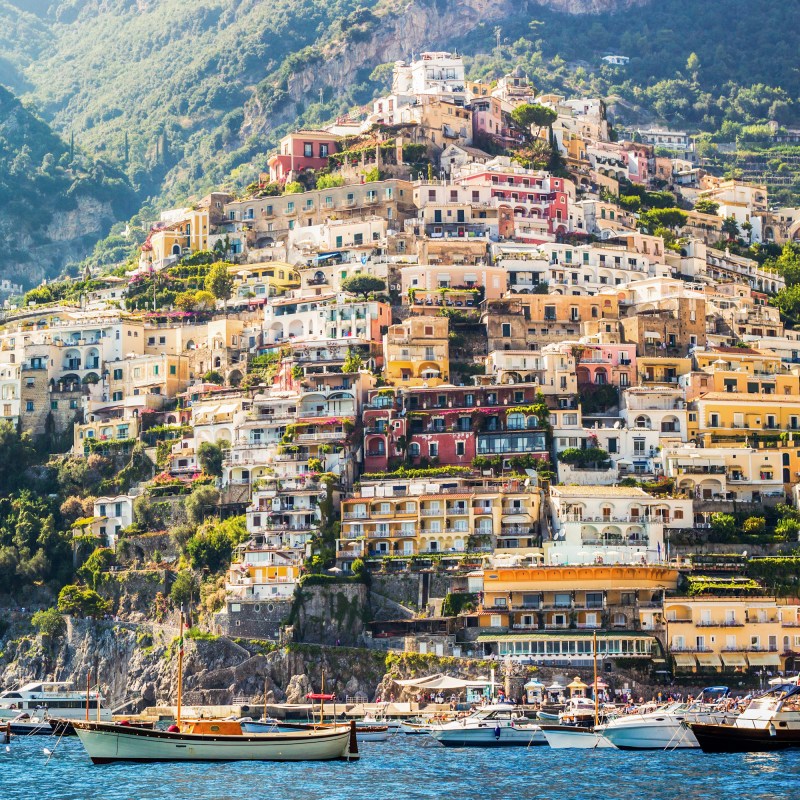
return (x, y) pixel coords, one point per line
(433, 449)
(173, 369)
(506, 330)
(29, 405)
(117, 374)
(460, 448)
(323, 150)
(308, 149)
(54, 405)
(290, 207)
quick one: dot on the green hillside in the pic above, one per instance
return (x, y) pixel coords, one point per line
(54, 203)
(183, 97)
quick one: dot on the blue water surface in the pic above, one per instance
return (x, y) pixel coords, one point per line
(406, 768)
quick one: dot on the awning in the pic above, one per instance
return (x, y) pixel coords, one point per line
(684, 660)
(764, 659)
(435, 682)
(733, 660)
(708, 660)
(323, 256)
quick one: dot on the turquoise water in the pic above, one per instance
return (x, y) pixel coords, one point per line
(407, 768)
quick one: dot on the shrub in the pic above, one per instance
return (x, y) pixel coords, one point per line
(184, 588)
(81, 601)
(754, 526)
(49, 623)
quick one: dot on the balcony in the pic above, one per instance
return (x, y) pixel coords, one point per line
(721, 624)
(432, 512)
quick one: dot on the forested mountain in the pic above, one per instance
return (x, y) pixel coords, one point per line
(183, 96)
(54, 201)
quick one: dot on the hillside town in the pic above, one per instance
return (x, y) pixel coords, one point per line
(477, 344)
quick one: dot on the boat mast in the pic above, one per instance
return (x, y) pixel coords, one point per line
(88, 690)
(594, 647)
(265, 698)
(180, 671)
(322, 700)
(98, 694)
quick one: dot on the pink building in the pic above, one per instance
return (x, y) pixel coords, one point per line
(303, 150)
(601, 364)
(487, 118)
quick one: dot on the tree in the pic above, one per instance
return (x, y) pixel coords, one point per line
(724, 526)
(220, 282)
(212, 546)
(329, 181)
(202, 501)
(663, 218)
(213, 376)
(706, 206)
(184, 588)
(16, 455)
(787, 264)
(204, 301)
(80, 601)
(209, 456)
(788, 301)
(186, 301)
(353, 362)
(294, 187)
(754, 526)
(98, 562)
(49, 623)
(363, 284)
(693, 65)
(527, 115)
(730, 228)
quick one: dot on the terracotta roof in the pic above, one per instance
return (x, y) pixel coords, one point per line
(598, 491)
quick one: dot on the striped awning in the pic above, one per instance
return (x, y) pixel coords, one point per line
(734, 660)
(708, 660)
(764, 659)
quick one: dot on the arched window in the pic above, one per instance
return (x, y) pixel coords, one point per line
(413, 450)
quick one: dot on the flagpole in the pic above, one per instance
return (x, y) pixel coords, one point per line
(180, 672)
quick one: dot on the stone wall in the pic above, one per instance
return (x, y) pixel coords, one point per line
(253, 619)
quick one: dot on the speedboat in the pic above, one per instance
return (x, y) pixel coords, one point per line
(770, 722)
(496, 725)
(413, 728)
(563, 737)
(213, 740)
(663, 728)
(26, 725)
(55, 698)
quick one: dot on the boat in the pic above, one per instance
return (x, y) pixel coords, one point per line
(415, 728)
(56, 698)
(213, 740)
(770, 722)
(663, 728)
(364, 733)
(495, 725)
(578, 726)
(574, 737)
(26, 725)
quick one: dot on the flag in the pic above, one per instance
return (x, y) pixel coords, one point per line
(659, 551)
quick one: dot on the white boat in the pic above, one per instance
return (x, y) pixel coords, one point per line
(364, 732)
(664, 728)
(496, 725)
(562, 737)
(411, 728)
(213, 740)
(53, 698)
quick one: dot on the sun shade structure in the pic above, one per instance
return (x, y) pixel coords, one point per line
(442, 682)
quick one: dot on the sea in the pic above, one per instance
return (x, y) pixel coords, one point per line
(405, 768)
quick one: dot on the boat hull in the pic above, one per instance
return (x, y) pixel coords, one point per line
(488, 736)
(105, 743)
(732, 739)
(565, 737)
(651, 736)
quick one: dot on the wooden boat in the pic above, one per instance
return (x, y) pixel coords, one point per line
(770, 722)
(213, 740)
(64, 727)
(364, 733)
(569, 734)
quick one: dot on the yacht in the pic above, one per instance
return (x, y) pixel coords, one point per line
(495, 725)
(664, 728)
(51, 699)
(770, 722)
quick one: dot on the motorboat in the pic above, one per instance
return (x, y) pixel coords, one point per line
(495, 725)
(770, 722)
(54, 698)
(562, 737)
(663, 728)
(213, 740)
(26, 725)
(415, 727)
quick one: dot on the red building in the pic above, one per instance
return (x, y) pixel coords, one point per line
(300, 151)
(450, 426)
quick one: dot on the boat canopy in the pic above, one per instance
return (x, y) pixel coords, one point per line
(318, 696)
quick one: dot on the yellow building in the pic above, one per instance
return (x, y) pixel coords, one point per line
(417, 352)
(502, 515)
(109, 433)
(733, 414)
(160, 374)
(549, 613)
(734, 633)
(662, 370)
(180, 232)
(267, 279)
